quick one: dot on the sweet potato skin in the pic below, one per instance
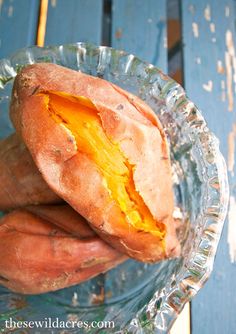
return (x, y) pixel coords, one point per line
(127, 120)
(21, 181)
(38, 256)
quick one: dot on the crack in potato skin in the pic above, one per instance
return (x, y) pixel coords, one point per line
(81, 118)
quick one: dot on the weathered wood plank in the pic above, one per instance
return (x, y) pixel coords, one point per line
(69, 22)
(74, 21)
(209, 74)
(18, 28)
(139, 27)
(18, 24)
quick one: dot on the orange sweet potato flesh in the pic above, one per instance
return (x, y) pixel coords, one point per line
(46, 248)
(20, 180)
(103, 151)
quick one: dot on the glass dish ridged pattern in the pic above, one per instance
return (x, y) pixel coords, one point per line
(139, 298)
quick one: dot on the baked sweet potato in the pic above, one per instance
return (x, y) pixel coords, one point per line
(48, 248)
(103, 151)
(20, 180)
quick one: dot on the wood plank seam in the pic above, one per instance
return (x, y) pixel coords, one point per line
(42, 22)
(106, 23)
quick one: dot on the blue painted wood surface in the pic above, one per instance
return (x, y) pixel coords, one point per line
(74, 21)
(139, 27)
(18, 24)
(207, 30)
(18, 28)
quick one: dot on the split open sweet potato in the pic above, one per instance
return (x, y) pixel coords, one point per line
(103, 151)
(46, 248)
(20, 180)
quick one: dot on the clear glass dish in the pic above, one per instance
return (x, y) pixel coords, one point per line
(139, 298)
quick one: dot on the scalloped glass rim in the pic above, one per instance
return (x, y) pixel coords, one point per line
(161, 311)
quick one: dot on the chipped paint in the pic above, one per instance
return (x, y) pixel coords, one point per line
(229, 78)
(223, 96)
(207, 13)
(227, 11)
(195, 29)
(230, 63)
(165, 42)
(223, 93)
(208, 86)
(213, 40)
(232, 229)
(230, 43)
(222, 84)
(220, 67)
(231, 150)
(118, 33)
(191, 8)
(231, 237)
(234, 74)
(54, 3)
(10, 11)
(212, 27)
(150, 20)
(198, 60)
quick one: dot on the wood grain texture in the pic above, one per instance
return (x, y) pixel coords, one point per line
(18, 29)
(139, 27)
(18, 24)
(74, 21)
(209, 74)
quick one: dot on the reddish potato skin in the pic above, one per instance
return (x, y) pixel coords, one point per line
(38, 256)
(69, 172)
(21, 181)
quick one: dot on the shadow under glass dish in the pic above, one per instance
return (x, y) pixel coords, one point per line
(138, 297)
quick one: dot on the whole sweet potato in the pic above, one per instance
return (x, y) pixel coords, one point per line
(48, 248)
(20, 180)
(103, 151)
